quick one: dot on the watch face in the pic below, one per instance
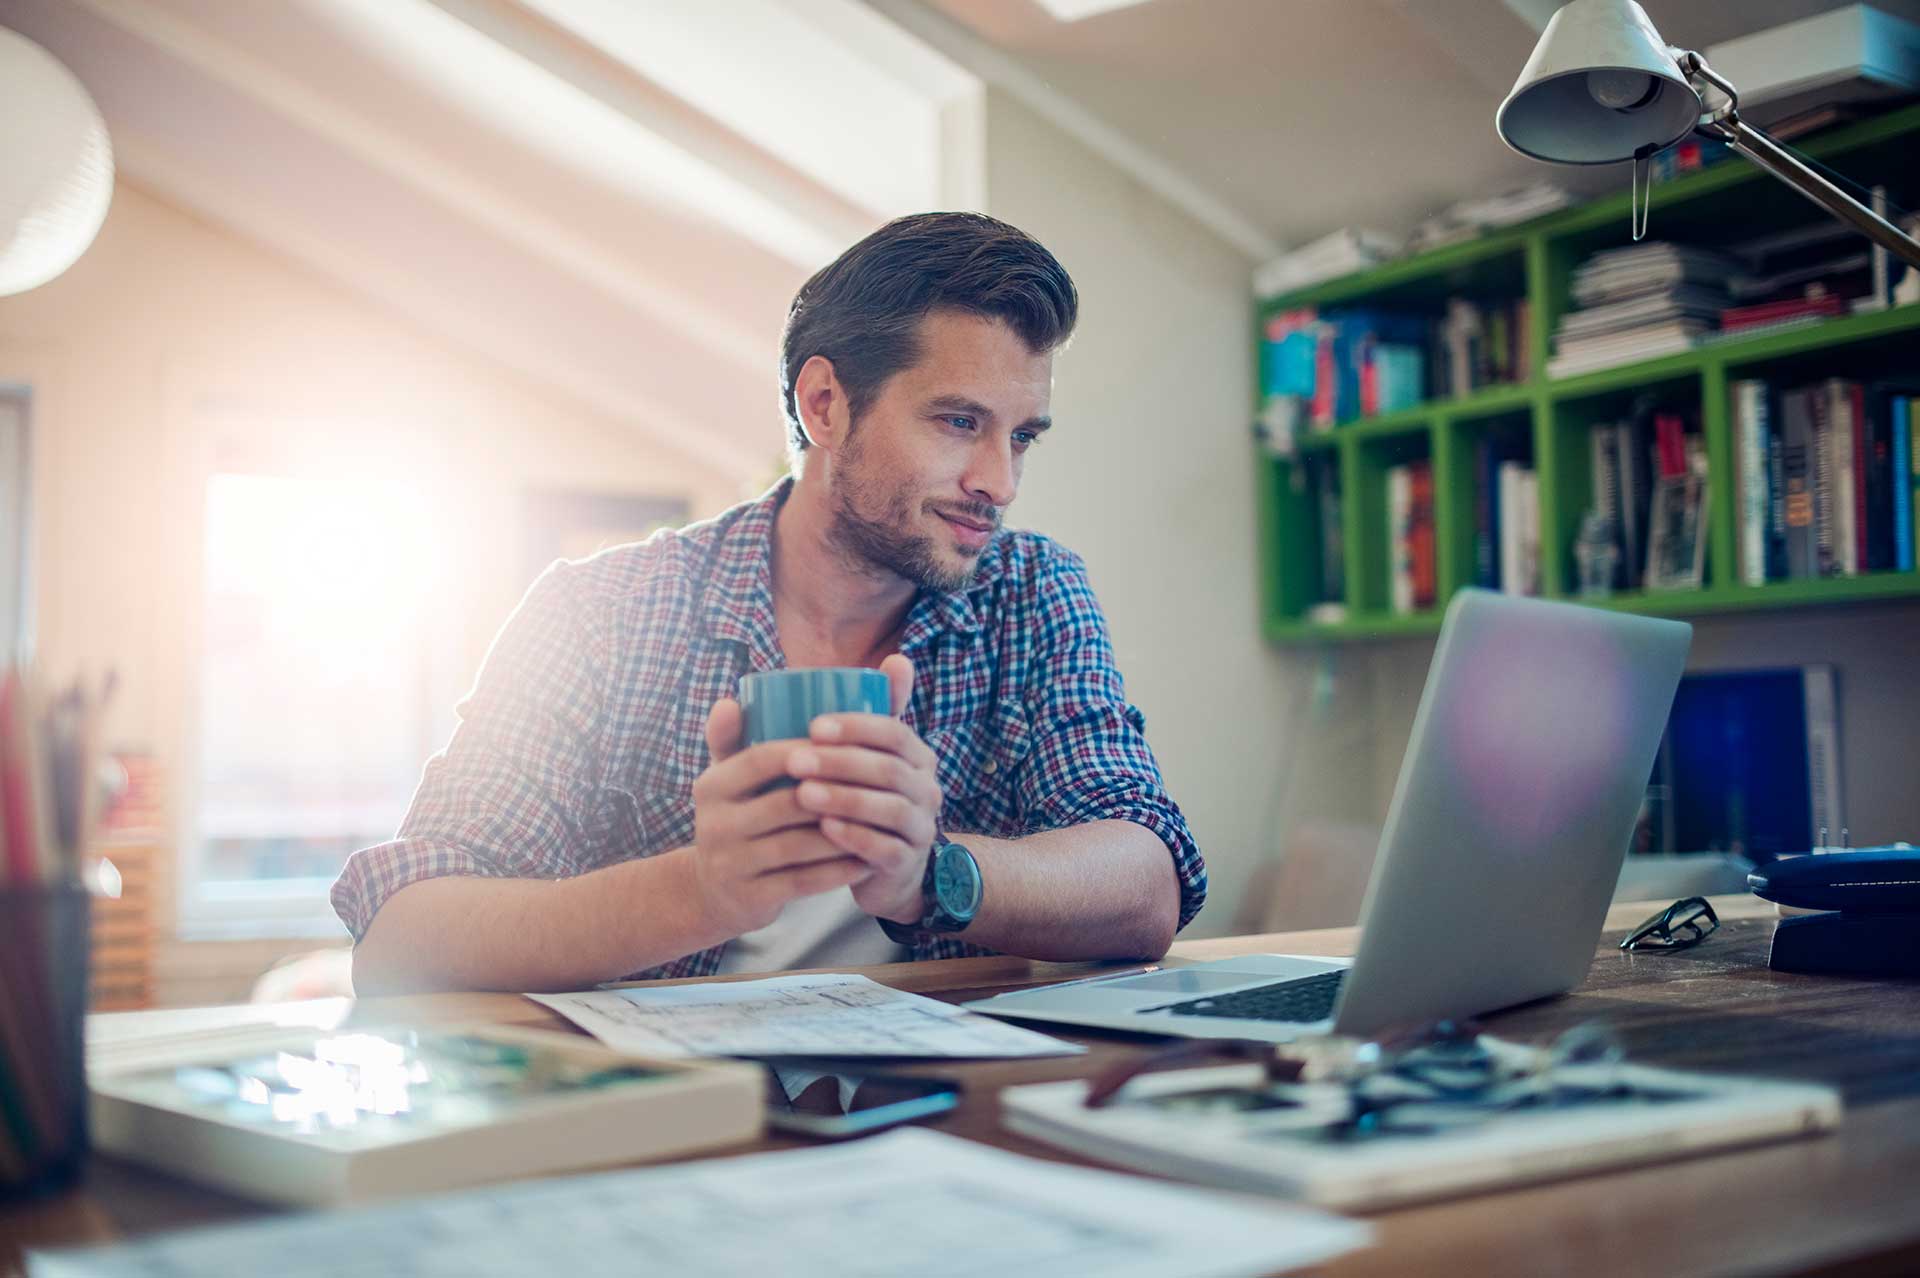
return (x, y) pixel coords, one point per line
(956, 882)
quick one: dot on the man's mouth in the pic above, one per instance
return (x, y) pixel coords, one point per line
(972, 533)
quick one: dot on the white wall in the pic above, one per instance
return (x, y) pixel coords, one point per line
(1147, 473)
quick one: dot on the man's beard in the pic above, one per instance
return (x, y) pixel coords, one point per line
(886, 544)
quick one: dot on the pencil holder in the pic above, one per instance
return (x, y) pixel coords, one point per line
(43, 1014)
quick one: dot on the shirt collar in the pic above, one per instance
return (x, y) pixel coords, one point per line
(739, 593)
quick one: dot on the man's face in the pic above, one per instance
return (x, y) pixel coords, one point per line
(926, 473)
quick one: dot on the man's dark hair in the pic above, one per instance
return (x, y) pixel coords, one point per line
(863, 311)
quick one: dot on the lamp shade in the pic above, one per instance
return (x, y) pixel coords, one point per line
(56, 166)
(1600, 86)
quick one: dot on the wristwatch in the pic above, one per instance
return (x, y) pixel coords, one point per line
(950, 891)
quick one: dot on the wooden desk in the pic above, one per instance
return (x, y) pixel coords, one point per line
(1845, 1204)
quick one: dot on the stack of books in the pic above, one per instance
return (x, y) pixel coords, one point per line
(1469, 219)
(1639, 302)
(1824, 478)
(1327, 258)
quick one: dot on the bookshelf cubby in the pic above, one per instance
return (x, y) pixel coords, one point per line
(1547, 419)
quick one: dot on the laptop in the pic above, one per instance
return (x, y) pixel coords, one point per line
(1516, 801)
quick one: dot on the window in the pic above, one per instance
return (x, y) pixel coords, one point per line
(318, 696)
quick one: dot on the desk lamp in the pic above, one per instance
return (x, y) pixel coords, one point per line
(1602, 87)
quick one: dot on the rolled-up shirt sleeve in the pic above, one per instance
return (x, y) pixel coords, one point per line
(1091, 761)
(506, 796)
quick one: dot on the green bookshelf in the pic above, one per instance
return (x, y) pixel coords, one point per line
(1550, 417)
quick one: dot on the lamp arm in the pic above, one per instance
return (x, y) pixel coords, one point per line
(1726, 126)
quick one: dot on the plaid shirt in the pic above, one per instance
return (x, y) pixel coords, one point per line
(580, 742)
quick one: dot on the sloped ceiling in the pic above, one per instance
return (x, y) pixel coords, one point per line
(1309, 115)
(510, 182)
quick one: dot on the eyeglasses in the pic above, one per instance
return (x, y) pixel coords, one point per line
(1440, 1077)
(1681, 924)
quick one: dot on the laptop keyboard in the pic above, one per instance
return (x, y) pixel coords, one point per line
(1307, 998)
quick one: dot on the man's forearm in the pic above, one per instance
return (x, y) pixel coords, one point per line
(525, 935)
(1105, 889)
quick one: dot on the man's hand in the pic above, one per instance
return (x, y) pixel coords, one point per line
(871, 782)
(756, 849)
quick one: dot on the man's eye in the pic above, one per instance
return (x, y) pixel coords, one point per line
(960, 423)
(1026, 438)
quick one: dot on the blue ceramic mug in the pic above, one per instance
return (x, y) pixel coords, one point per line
(782, 704)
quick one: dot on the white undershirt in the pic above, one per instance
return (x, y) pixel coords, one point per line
(824, 930)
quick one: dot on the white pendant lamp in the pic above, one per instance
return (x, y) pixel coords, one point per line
(56, 166)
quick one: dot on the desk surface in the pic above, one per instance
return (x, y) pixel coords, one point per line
(1844, 1204)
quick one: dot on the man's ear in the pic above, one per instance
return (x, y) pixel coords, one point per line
(822, 403)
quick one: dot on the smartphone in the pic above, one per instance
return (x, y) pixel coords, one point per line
(819, 1102)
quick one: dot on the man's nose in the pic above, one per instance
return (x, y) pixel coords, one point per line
(991, 474)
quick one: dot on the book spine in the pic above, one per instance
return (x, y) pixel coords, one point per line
(1826, 560)
(1399, 540)
(1823, 758)
(1602, 447)
(1768, 428)
(1486, 560)
(1636, 453)
(1751, 481)
(1420, 535)
(1326, 383)
(1902, 482)
(1797, 453)
(1877, 414)
(1862, 460)
(1846, 501)
(1511, 528)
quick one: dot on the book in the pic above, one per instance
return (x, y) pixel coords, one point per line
(1900, 411)
(1399, 539)
(1519, 529)
(1797, 481)
(1841, 424)
(1228, 1126)
(1486, 523)
(320, 1118)
(1420, 541)
(1750, 482)
(1826, 485)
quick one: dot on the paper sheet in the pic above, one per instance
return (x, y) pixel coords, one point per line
(904, 1202)
(830, 1015)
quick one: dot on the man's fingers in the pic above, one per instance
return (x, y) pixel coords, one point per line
(746, 773)
(878, 808)
(823, 876)
(724, 726)
(771, 813)
(858, 765)
(803, 845)
(899, 672)
(876, 732)
(880, 848)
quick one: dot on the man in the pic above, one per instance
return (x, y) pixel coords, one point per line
(596, 815)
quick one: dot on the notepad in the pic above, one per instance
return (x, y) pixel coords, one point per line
(804, 1015)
